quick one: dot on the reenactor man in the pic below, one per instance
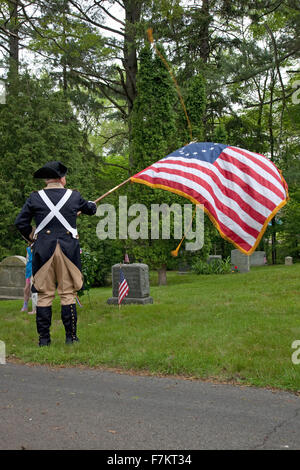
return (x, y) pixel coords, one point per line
(56, 251)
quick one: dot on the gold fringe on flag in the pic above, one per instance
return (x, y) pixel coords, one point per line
(174, 253)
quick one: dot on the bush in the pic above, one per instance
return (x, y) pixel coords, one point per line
(217, 266)
(97, 263)
(89, 265)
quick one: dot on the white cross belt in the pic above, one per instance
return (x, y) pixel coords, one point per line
(54, 212)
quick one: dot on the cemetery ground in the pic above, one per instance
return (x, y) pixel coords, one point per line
(233, 328)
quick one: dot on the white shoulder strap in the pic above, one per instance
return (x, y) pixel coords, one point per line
(54, 212)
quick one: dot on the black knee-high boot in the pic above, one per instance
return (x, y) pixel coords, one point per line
(43, 323)
(69, 319)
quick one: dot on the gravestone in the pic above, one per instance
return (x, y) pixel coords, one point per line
(137, 277)
(213, 258)
(12, 277)
(241, 261)
(288, 261)
(184, 268)
(258, 258)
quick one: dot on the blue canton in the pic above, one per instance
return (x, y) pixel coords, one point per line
(205, 151)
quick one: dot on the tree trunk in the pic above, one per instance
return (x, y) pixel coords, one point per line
(205, 51)
(132, 16)
(162, 275)
(13, 66)
(64, 58)
(204, 32)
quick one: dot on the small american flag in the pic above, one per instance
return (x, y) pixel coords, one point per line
(123, 287)
(240, 191)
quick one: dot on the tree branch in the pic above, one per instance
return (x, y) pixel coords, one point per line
(119, 3)
(124, 84)
(107, 139)
(93, 22)
(5, 48)
(105, 80)
(280, 79)
(9, 33)
(262, 69)
(249, 105)
(114, 164)
(108, 13)
(102, 90)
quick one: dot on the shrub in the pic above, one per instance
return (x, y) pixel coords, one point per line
(217, 266)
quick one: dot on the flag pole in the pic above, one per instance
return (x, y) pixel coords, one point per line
(111, 190)
(119, 287)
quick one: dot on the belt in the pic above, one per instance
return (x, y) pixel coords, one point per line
(55, 233)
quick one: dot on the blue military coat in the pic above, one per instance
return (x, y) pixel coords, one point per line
(54, 231)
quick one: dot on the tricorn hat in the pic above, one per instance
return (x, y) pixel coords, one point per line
(51, 170)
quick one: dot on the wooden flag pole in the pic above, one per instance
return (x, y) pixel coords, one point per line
(119, 286)
(111, 190)
(108, 192)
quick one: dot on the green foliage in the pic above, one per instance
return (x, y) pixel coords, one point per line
(153, 130)
(194, 99)
(196, 104)
(217, 266)
(153, 136)
(78, 109)
(221, 135)
(243, 325)
(290, 218)
(37, 125)
(97, 263)
(89, 270)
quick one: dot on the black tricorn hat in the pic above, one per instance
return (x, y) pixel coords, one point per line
(51, 170)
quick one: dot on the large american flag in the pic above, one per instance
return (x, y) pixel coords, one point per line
(240, 190)
(123, 287)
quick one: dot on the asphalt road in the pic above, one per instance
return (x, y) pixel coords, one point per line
(85, 409)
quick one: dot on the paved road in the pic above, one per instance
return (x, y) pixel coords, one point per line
(71, 408)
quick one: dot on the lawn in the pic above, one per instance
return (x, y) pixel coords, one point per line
(233, 328)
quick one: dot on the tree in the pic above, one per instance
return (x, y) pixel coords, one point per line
(38, 125)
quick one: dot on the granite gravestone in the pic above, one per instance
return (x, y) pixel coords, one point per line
(288, 261)
(213, 258)
(258, 258)
(12, 277)
(241, 261)
(184, 268)
(137, 277)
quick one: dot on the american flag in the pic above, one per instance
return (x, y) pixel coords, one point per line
(123, 287)
(241, 191)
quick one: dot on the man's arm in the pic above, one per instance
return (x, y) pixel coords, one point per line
(23, 220)
(87, 207)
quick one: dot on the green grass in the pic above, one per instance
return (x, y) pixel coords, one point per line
(234, 327)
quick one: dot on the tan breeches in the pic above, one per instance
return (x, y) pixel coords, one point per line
(58, 272)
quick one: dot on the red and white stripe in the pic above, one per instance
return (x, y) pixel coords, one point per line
(240, 190)
(123, 290)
